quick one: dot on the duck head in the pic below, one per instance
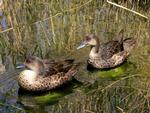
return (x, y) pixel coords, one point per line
(34, 64)
(90, 40)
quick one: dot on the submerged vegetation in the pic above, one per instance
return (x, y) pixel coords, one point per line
(53, 29)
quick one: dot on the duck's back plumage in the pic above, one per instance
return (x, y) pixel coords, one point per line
(107, 50)
(53, 66)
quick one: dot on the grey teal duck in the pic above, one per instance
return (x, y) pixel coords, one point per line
(43, 75)
(110, 54)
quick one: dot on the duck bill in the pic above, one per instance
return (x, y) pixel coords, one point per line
(20, 66)
(83, 44)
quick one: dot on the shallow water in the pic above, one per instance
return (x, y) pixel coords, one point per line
(122, 89)
(99, 91)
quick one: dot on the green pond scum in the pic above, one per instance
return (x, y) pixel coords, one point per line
(118, 71)
(54, 29)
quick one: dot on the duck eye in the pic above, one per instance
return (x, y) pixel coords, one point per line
(88, 38)
(28, 61)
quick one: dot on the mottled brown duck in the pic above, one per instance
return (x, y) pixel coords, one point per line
(110, 54)
(43, 75)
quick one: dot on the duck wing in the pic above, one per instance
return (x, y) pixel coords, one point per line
(107, 50)
(54, 67)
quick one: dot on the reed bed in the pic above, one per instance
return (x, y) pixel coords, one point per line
(43, 27)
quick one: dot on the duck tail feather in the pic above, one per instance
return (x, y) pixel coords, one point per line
(121, 36)
(74, 69)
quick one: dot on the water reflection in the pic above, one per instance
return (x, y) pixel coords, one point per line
(39, 100)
